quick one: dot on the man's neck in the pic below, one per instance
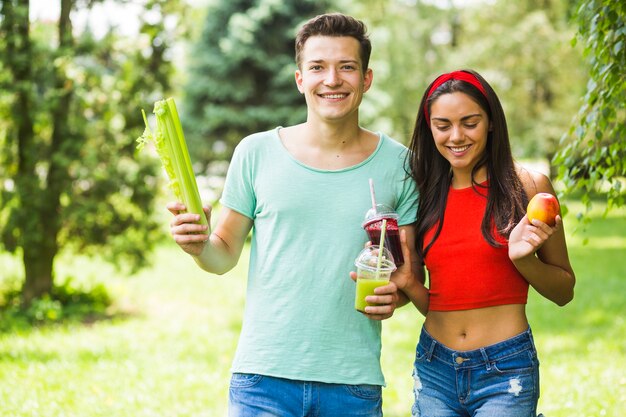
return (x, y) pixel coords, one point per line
(328, 146)
(331, 137)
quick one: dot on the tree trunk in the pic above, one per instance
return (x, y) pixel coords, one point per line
(39, 261)
(39, 198)
(38, 267)
(29, 192)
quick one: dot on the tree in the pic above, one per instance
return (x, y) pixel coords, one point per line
(69, 111)
(593, 157)
(241, 74)
(522, 48)
(518, 46)
(405, 55)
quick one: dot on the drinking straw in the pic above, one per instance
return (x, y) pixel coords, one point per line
(372, 194)
(381, 246)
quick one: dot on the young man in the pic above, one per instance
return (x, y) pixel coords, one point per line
(304, 349)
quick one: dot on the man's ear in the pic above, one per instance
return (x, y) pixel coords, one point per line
(368, 78)
(298, 77)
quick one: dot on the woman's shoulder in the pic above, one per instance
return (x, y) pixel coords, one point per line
(533, 181)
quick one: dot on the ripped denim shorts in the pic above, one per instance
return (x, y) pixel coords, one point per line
(497, 380)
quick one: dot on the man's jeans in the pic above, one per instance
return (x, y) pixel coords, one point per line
(254, 395)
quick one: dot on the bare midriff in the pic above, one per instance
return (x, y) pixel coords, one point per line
(472, 329)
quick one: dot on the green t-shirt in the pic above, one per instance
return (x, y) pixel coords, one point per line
(299, 321)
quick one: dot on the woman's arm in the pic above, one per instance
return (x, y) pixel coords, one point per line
(410, 277)
(539, 252)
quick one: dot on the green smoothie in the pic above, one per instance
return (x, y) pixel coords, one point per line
(365, 287)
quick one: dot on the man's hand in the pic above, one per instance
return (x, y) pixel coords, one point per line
(185, 229)
(386, 300)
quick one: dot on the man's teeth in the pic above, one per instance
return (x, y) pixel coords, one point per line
(333, 95)
(459, 148)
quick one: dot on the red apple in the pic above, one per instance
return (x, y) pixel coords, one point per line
(544, 207)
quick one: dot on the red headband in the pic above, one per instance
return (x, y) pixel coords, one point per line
(455, 75)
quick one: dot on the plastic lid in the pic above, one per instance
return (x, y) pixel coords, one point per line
(382, 211)
(368, 259)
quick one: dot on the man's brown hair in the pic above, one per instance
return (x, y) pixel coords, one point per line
(335, 24)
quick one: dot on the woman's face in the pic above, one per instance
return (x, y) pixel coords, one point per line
(460, 128)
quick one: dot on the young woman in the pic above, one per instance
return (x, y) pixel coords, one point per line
(476, 355)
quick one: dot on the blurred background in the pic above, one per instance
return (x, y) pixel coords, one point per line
(100, 314)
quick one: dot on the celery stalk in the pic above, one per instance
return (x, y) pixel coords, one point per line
(171, 147)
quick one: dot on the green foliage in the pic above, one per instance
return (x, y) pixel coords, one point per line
(593, 156)
(537, 76)
(68, 120)
(521, 47)
(68, 302)
(241, 74)
(517, 46)
(405, 55)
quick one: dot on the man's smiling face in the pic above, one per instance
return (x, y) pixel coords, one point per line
(331, 77)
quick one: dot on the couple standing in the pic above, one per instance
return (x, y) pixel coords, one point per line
(303, 190)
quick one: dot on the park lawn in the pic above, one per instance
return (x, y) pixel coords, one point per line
(168, 349)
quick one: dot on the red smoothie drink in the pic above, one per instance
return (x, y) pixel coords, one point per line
(392, 237)
(372, 225)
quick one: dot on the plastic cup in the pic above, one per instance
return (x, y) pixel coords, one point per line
(369, 276)
(373, 223)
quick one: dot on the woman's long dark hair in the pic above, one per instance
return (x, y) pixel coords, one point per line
(506, 199)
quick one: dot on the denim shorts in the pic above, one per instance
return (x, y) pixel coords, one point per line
(253, 395)
(497, 380)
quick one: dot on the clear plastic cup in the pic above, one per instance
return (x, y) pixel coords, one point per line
(368, 276)
(373, 224)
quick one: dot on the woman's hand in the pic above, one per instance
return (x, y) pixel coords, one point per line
(410, 277)
(527, 238)
(403, 276)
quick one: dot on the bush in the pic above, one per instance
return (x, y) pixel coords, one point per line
(66, 302)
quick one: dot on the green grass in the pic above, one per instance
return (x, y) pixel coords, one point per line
(170, 351)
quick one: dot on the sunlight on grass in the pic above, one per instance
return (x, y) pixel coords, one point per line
(168, 349)
(170, 357)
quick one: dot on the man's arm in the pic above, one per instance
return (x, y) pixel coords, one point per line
(214, 251)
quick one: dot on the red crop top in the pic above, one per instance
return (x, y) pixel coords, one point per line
(465, 272)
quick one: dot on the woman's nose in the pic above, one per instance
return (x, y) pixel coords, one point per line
(456, 134)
